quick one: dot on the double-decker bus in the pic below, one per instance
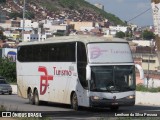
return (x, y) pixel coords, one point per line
(78, 70)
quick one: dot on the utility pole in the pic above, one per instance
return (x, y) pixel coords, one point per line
(150, 54)
(148, 70)
(23, 20)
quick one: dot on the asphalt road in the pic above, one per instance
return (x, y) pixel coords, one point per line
(59, 111)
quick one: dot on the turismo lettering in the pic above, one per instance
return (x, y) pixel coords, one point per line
(62, 72)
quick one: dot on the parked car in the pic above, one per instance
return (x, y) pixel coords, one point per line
(4, 86)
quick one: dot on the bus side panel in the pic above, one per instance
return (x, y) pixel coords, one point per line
(82, 95)
(59, 88)
(21, 87)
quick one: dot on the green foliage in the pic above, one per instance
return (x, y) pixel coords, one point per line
(15, 14)
(2, 37)
(58, 34)
(2, 108)
(71, 4)
(8, 69)
(82, 5)
(148, 35)
(28, 15)
(49, 7)
(59, 5)
(143, 88)
(120, 34)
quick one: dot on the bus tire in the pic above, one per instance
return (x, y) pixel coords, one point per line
(36, 97)
(30, 97)
(114, 108)
(74, 102)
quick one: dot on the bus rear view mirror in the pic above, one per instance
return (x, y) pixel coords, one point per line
(88, 72)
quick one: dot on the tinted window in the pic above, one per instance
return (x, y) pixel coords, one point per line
(59, 52)
(24, 53)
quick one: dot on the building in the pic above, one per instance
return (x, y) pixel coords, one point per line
(100, 6)
(6, 24)
(34, 37)
(147, 61)
(9, 53)
(112, 30)
(80, 25)
(29, 24)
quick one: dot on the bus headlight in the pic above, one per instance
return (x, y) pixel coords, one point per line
(96, 98)
(130, 97)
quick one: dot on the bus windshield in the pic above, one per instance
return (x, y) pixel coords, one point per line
(112, 78)
(109, 53)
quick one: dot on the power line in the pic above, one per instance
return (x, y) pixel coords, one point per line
(139, 15)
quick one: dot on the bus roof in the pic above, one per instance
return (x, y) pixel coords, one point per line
(81, 38)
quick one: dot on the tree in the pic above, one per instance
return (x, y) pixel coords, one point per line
(8, 69)
(129, 32)
(148, 35)
(120, 34)
(2, 1)
(2, 37)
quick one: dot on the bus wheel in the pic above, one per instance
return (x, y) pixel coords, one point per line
(36, 97)
(114, 108)
(74, 102)
(30, 97)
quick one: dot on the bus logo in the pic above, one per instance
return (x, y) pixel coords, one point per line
(95, 53)
(44, 80)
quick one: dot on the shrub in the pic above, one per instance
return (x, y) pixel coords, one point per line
(141, 87)
(8, 69)
(2, 108)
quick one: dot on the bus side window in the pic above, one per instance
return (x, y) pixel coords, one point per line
(25, 53)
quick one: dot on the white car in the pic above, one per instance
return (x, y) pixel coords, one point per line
(4, 86)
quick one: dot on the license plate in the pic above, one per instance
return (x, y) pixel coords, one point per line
(114, 103)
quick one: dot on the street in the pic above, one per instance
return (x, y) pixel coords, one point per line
(17, 104)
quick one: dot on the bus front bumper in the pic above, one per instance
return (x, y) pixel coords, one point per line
(111, 102)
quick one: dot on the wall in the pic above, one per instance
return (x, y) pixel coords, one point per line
(78, 25)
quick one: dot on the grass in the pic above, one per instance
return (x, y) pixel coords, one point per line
(143, 88)
(2, 108)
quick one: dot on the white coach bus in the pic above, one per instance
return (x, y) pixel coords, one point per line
(84, 71)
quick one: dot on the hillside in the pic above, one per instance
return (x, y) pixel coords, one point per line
(77, 10)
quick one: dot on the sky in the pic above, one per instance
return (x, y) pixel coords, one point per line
(128, 9)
